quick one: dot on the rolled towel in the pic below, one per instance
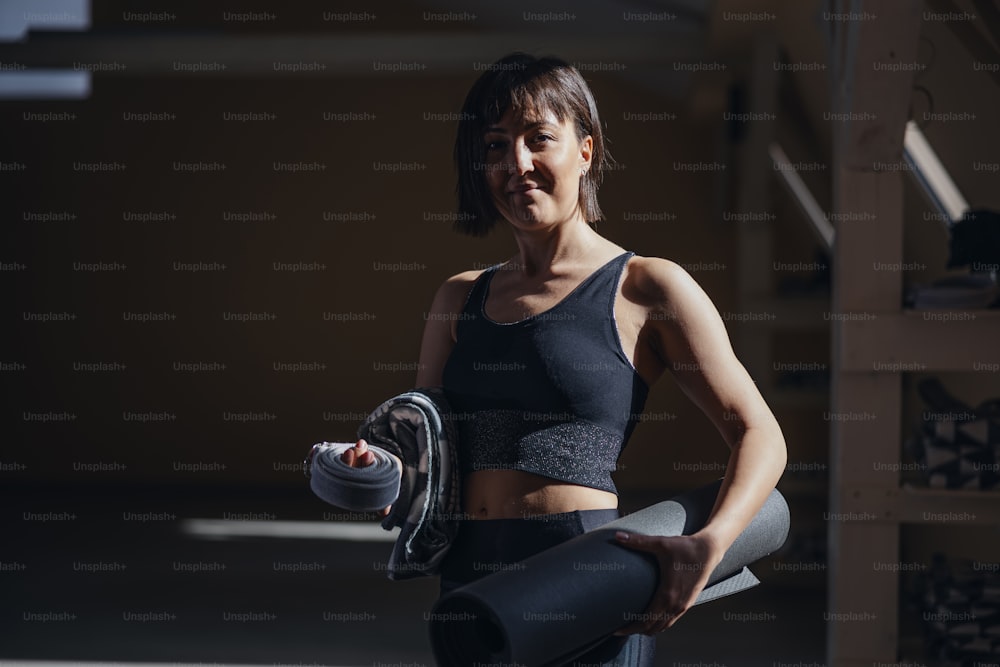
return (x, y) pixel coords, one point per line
(561, 602)
(364, 489)
(416, 427)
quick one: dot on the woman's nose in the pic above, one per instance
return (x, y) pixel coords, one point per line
(522, 161)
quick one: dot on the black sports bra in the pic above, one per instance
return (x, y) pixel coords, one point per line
(552, 394)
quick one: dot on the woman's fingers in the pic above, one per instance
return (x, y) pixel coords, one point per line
(365, 455)
(358, 456)
(684, 564)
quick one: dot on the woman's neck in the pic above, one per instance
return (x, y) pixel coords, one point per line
(542, 250)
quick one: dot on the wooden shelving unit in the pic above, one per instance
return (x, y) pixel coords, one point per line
(875, 341)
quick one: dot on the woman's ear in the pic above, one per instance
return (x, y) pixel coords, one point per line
(586, 153)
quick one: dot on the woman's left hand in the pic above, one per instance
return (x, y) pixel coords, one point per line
(686, 562)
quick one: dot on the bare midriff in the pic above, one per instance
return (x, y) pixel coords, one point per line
(513, 494)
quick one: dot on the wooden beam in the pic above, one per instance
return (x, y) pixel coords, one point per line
(919, 341)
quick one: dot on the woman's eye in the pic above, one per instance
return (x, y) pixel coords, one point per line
(542, 138)
(494, 145)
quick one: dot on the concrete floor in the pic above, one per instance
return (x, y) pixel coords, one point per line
(101, 587)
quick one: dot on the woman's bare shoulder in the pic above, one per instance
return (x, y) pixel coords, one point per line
(657, 279)
(452, 293)
(440, 329)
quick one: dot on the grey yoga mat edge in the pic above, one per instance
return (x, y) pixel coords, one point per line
(567, 597)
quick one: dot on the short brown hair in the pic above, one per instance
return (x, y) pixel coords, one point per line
(530, 86)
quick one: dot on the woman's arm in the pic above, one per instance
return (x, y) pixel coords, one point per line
(438, 339)
(439, 328)
(691, 338)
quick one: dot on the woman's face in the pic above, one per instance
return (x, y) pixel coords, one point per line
(533, 169)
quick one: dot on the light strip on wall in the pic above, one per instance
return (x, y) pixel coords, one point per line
(800, 193)
(17, 17)
(38, 84)
(931, 175)
(309, 530)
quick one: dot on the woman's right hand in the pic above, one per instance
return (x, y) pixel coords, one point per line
(359, 456)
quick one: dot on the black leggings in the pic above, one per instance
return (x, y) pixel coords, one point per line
(485, 546)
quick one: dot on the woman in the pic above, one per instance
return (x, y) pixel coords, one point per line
(547, 358)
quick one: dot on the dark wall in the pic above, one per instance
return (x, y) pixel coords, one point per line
(340, 263)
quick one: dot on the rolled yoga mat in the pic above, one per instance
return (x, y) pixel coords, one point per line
(561, 602)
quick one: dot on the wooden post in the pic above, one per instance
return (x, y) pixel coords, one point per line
(874, 63)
